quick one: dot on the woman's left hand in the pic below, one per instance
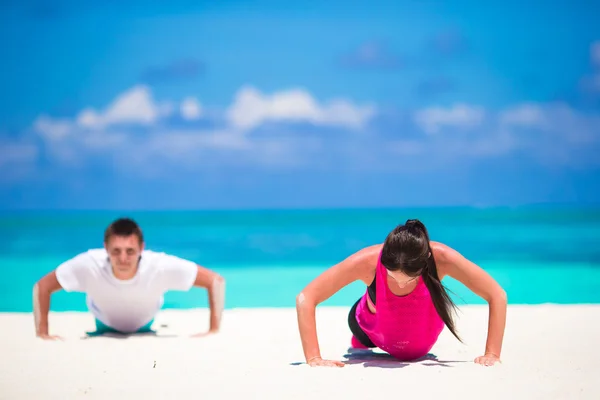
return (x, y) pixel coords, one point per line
(488, 360)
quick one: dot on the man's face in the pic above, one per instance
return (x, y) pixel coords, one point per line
(124, 253)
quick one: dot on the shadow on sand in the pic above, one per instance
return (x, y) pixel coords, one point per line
(369, 359)
(119, 335)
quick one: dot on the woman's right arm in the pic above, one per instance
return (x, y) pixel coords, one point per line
(359, 266)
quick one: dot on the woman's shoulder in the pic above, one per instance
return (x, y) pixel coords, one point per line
(366, 260)
(369, 254)
(440, 251)
(443, 255)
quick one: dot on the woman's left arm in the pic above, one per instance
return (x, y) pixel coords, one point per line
(483, 285)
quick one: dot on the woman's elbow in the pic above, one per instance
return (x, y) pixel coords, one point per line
(303, 301)
(500, 297)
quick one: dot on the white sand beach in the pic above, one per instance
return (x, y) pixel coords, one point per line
(549, 353)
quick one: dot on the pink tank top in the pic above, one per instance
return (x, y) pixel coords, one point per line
(405, 327)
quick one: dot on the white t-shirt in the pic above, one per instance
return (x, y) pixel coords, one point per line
(125, 305)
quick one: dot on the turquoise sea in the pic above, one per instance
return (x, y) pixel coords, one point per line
(539, 254)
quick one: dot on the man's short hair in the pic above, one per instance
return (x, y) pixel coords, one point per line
(123, 227)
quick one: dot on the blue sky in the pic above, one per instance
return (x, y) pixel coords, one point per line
(259, 104)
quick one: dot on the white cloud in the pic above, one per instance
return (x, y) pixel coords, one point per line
(179, 142)
(190, 109)
(251, 108)
(211, 150)
(557, 121)
(497, 143)
(51, 128)
(550, 133)
(97, 140)
(536, 129)
(528, 114)
(135, 106)
(433, 120)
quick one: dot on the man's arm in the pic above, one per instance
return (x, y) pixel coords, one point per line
(181, 274)
(71, 276)
(215, 285)
(41, 303)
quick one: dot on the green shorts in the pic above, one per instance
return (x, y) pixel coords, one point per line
(101, 329)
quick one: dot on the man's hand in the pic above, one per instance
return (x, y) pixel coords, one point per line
(204, 334)
(46, 336)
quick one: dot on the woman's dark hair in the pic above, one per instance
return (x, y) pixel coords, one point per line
(407, 249)
(123, 227)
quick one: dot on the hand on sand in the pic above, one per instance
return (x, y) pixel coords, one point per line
(204, 334)
(46, 336)
(488, 360)
(319, 362)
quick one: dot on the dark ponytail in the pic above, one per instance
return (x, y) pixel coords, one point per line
(441, 300)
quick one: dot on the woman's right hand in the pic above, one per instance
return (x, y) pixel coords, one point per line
(361, 266)
(319, 362)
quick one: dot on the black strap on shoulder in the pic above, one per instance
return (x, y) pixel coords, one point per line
(372, 290)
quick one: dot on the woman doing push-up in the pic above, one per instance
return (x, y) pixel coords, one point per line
(405, 306)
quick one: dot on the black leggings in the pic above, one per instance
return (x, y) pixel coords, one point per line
(356, 329)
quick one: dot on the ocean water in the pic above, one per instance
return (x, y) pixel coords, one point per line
(538, 254)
